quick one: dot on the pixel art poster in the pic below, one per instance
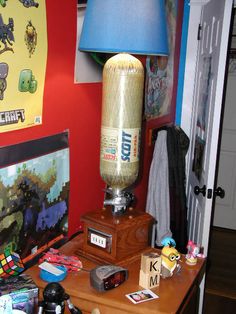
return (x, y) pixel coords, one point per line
(34, 195)
(23, 57)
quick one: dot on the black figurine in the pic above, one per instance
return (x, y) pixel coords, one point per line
(54, 298)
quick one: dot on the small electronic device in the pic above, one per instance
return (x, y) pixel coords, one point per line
(107, 277)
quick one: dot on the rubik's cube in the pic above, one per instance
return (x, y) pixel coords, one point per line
(10, 264)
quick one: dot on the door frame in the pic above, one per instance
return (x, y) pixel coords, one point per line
(189, 84)
(188, 103)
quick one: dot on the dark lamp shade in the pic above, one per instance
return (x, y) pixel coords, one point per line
(132, 26)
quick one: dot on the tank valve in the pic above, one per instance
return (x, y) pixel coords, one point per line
(119, 201)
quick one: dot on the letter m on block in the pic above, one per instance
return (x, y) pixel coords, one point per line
(154, 280)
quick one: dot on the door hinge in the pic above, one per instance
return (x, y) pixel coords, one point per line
(199, 32)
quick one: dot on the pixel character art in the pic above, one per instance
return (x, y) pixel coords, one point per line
(6, 35)
(34, 196)
(30, 38)
(27, 82)
(3, 76)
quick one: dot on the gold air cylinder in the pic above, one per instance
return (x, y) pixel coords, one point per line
(123, 80)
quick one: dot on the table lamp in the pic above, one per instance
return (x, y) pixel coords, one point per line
(125, 27)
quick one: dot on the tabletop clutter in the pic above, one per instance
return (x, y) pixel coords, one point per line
(19, 293)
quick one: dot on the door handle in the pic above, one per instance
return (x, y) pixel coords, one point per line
(198, 190)
(219, 192)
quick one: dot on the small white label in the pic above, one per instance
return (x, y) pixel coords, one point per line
(51, 268)
(120, 145)
(98, 240)
(37, 120)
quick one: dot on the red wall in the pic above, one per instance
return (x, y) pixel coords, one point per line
(76, 107)
(66, 105)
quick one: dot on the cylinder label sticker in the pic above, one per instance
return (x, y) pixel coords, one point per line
(120, 145)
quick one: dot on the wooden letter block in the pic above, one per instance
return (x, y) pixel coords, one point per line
(151, 263)
(149, 280)
(149, 276)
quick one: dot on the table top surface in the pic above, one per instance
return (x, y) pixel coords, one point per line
(171, 291)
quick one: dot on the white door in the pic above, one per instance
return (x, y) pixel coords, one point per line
(202, 102)
(207, 99)
(225, 209)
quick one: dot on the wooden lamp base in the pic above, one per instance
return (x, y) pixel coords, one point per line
(112, 239)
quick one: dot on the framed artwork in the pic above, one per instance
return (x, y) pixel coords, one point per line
(160, 72)
(34, 195)
(203, 107)
(199, 149)
(86, 69)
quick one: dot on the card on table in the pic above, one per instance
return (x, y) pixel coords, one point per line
(141, 296)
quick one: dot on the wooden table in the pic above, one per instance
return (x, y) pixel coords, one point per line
(178, 294)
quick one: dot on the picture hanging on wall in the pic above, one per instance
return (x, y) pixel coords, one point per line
(199, 149)
(160, 72)
(23, 51)
(34, 195)
(87, 69)
(205, 90)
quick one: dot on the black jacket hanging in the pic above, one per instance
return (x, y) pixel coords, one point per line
(177, 147)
